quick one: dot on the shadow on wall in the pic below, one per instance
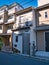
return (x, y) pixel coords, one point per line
(1, 44)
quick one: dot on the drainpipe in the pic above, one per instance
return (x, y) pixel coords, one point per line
(12, 41)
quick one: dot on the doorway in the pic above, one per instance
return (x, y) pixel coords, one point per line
(26, 43)
(47, 41)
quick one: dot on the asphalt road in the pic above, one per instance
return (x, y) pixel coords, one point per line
(13, 59)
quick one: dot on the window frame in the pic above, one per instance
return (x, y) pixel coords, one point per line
(16, 39)
(46, 15)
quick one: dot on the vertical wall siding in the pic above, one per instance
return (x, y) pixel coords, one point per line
(40, 40)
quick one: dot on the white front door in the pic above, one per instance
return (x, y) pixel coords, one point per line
(19, 44)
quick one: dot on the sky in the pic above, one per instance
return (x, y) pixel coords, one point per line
(24, 3)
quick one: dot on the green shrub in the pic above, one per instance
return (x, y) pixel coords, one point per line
(0, 46)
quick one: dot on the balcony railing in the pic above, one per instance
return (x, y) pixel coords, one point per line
(1, 21)
(9, 31)
(25, 24)
(1, 31)
(10, 20)
(11, 11)
(1, 12)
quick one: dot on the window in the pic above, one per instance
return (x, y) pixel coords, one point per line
(26, 23)
(22, 19)
(10, 27)
(10, 17)
(16, 38)
(0, 27)
(46, 15)
(1, 18)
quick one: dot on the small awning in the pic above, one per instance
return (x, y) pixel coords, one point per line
(21, 28)
(41, 28)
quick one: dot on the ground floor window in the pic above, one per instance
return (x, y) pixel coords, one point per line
(16, 38)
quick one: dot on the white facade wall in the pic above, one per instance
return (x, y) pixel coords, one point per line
(14, 9)
(11, 20)
(10, 12)
(42, 2)
(30, 16)
(9, 31)
(32, 33)
(19, 43)
(1, 31)
(1, 12)
(24, 18)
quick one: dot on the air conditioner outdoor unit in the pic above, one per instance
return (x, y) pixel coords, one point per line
(28, 23)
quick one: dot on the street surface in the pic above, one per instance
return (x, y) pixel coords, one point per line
(15, 59)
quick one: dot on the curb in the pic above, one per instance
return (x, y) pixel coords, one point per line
(36, 57)
(7, 52)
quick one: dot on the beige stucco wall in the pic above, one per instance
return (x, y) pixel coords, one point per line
(42, 20)
(42, 2)
(40, 41)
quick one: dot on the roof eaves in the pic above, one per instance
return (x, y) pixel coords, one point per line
(25, 10)
(43, 6)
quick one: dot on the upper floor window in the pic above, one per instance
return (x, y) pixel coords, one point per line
(10, 27)
(1, 18)
(46, 15)
(10, 17)
(0, 27)
(26, 23)
(21, 19)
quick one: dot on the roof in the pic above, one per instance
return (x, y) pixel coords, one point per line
(14, 4)
(43, 6)
(3, 7)
(25, 10)
(10, 6)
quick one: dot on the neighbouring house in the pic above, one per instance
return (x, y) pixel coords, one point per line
(25, 30)
(24, 35)
(7, 21)
(42, 30)
(42, 2)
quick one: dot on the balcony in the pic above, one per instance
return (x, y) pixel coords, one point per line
(9, 31)
(1, 21)
(11, 19)
(1, 31)
(25, 24)
(11, 11)
(1, 13)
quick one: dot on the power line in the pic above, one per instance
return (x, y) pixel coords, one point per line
(27, 2)
(22, 1)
